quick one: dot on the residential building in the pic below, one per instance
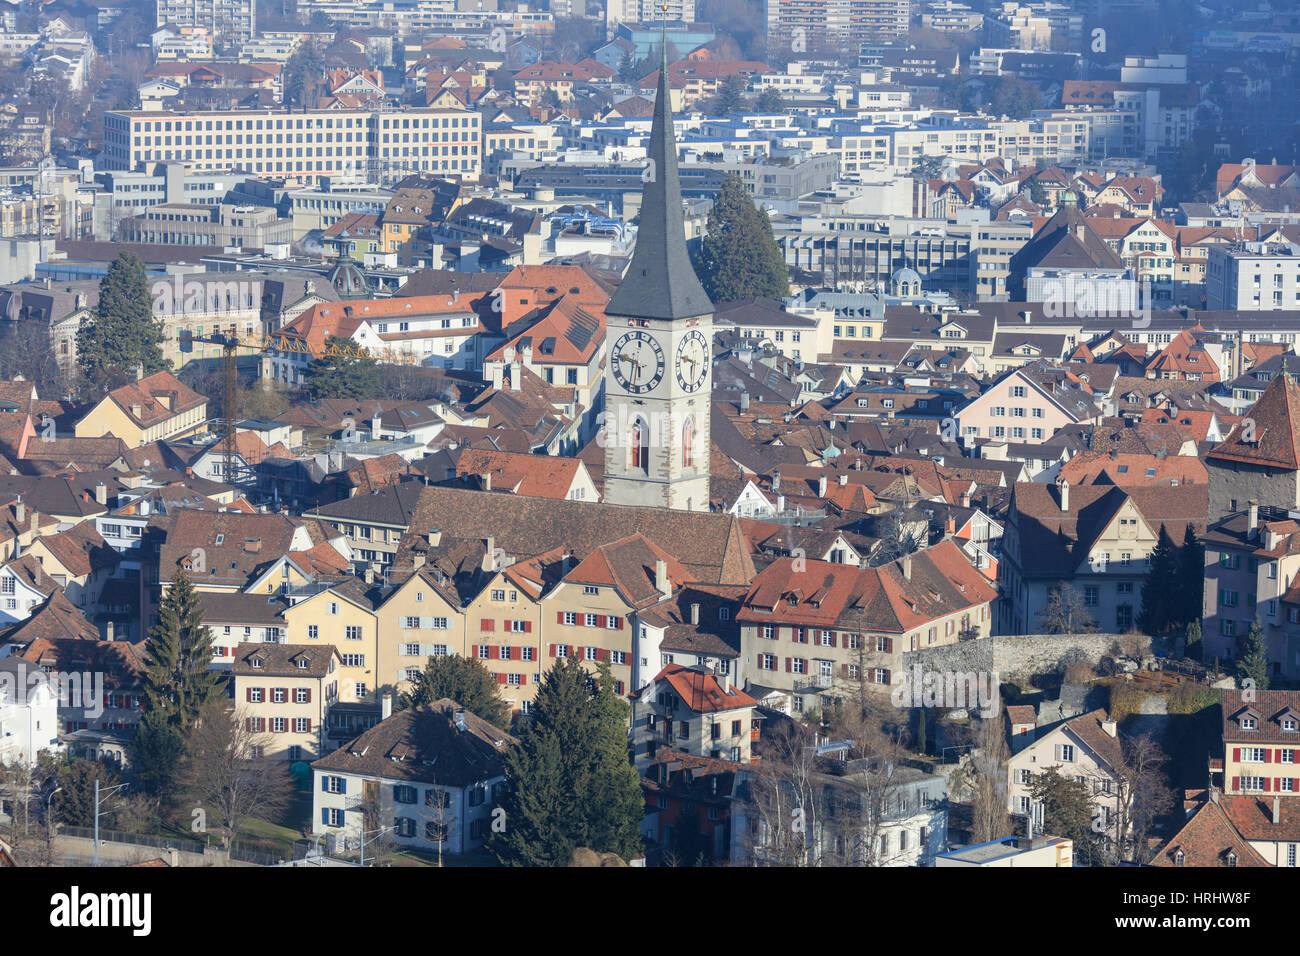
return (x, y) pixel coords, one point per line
(283, 693)
(442, 802)
(694, 711)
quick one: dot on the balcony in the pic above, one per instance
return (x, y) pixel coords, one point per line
(805, 684)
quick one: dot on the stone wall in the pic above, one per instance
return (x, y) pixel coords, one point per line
(1019, 656)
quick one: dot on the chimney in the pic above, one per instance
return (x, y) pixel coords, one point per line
(101, 493)
(459, 718)
(498, 375)
(1063, 487)
(435, 537)
(695, 614)
(486, 479)
(386, 706)
(1025, 316)
(139, 372)
(776, 481)
(1252, 517)
(489, 554)
(516, 373)
(821, 486)
(375, 425)
(662, 583)
(950, 526)
(20, 512)
(1109, 726)
(108, 632)
(965, 499)
(744, 401)
(369, 576)
(724, 681)
(907, 567)
(844, 480)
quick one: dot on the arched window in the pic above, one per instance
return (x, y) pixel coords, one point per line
(640, 445)
(688, 442)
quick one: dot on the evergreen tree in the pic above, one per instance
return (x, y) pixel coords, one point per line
(466, 681)
(1191, 578)
(177, 682)
(566, 784)
(1253, 663)
(302, 72)
(739, 258)
(769, 101)
(157, 751)
(1067, 810)
(124, 333)
(1160, 587)
(615, 785)
(1194, 645)
(343, 373)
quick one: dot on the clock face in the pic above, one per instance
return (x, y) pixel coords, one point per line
(692, 360)
(638, 361)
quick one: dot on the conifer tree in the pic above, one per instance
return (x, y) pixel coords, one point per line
(1191, 578)
(1194, 646)
(1160, 587)
(124, 333)
(341, 375)
(615, 786)
(176, 680)
(739, 257)
(566, 784)
(1253, 663)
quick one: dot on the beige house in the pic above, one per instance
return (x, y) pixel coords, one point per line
(155, 408)
(343, 616)
(284, 692)
(693, 710)
(420, 619)
(1086, 749)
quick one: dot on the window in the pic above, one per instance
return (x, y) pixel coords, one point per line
(353, 632)
(403, 793)
(1065, 753)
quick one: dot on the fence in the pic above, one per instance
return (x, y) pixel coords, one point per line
(156, 840)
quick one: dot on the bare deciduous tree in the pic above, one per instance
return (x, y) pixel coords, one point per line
(1066, 612)
(984, 779)
(227, 775)
(1144, 795)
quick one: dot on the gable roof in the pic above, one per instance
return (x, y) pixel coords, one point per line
(1272, 426)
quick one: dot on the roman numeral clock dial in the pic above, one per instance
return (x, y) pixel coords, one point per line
(638, 362)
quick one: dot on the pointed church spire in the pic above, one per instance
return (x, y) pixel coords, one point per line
(661, 282)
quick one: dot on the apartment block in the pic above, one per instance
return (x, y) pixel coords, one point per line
(309, 145)
(231, 20)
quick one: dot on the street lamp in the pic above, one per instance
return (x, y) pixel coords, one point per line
(376, 834)
(98, 814)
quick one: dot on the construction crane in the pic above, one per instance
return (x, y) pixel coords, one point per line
(231, 342)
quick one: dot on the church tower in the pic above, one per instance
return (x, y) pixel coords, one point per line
(659, 348)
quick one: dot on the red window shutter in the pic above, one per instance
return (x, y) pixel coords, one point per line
(1236, 783)
(1266, 782)
(552, 650)
(248, 694)
(308, 725)
(576, 652)
(487, 624)
(528, 627)
(523, 679)
(1236, 757)
(559, 617)
(501, 678)
(248, 724)
(788, 667)
(309, 695)
(889, 645)
(474, 650)
(888, 677)
(1268, 755)
(604, 655)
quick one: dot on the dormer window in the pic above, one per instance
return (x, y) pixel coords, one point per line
(1179, 857)
(256, 662)
(302, 663)
(1232, 858)
(1248, 723)
(1289, 725)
